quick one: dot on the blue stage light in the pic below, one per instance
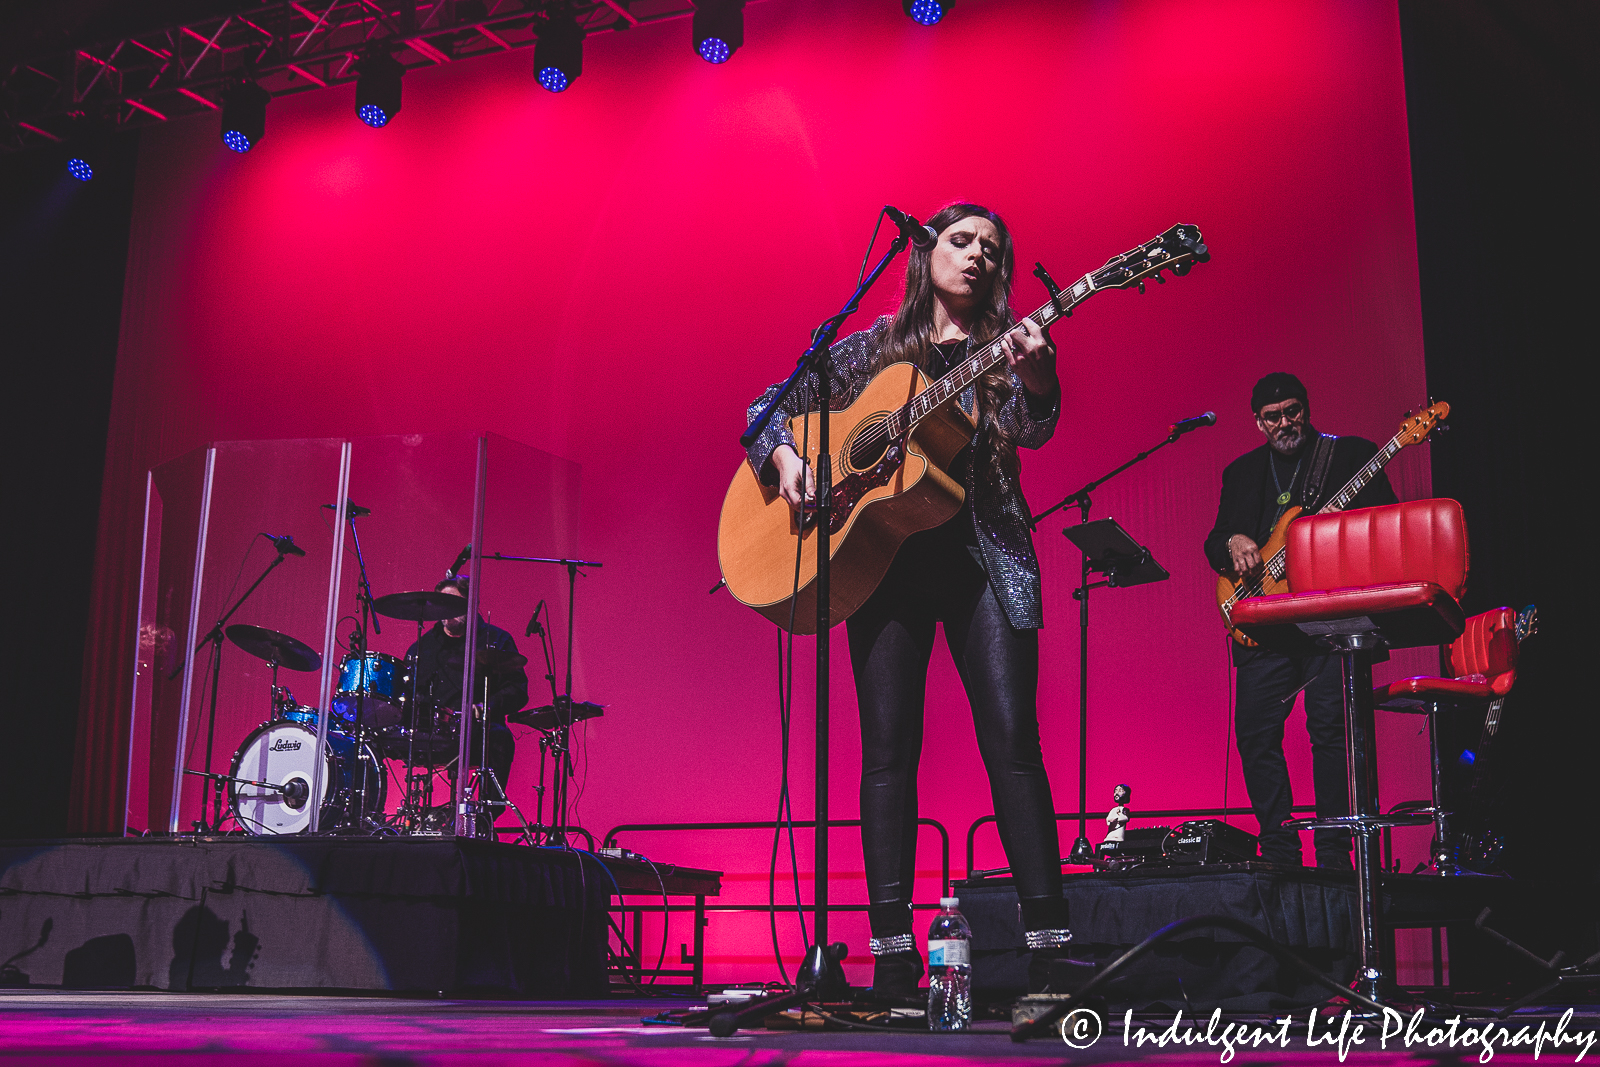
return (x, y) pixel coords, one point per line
(558, 52)
(244, 115)
(926, 12)
(718, 29)
(378, 87)
(80, 169)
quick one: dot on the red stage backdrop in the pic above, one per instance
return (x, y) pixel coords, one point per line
(611, 275)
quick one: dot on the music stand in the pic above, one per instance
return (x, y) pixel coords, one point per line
(1108, 550)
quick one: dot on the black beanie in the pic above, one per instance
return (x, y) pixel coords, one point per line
(1279, 385)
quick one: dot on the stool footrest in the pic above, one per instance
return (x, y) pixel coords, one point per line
(1362, 823)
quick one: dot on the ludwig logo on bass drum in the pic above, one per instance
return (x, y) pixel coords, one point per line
(284, 744)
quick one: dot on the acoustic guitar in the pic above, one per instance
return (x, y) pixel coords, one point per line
(890, 467)
(1274, 576)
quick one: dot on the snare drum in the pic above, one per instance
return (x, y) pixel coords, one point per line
(370, 686)
(283, 753)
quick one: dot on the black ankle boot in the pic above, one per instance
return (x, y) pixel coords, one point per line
(1051, 969)
(896, 963)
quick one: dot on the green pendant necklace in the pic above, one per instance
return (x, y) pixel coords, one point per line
(1284, 495)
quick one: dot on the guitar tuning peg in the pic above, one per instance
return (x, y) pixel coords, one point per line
(1160, 278)
(1141, 288)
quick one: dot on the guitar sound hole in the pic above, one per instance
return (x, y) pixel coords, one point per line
(869, 446)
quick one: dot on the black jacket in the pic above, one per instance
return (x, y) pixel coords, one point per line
(1248, 491)
(439, 667)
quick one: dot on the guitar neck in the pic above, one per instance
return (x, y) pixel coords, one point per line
(979, 363)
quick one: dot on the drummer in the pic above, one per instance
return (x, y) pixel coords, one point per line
(440, 655)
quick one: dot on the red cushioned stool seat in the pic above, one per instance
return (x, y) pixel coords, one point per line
(1414, 694)
(1397, 615)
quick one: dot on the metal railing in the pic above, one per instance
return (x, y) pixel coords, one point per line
(610, 841)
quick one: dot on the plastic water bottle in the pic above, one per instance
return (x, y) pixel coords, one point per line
(949, 969)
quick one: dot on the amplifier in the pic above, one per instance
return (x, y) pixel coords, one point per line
(1138, 845)
(1206, 841)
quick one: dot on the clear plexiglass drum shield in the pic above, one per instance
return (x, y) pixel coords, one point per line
(204, 707)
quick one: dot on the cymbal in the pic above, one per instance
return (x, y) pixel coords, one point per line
(550, 716)
(423, 606)
(274, 647)
(500, 659)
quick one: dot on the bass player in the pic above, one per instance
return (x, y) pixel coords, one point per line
(976, 574)
(1296, 466)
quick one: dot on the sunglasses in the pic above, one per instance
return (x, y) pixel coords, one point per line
(1288, 413)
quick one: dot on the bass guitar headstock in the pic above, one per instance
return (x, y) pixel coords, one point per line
(1177, 250)
(1415, 428)
(1527, 623)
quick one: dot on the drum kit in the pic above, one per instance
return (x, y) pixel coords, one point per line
(279, 782)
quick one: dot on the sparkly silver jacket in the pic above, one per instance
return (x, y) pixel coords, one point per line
(1000, 515)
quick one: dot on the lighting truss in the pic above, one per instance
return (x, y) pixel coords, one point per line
(289, 46)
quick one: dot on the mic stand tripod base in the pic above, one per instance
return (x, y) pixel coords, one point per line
(1082, 853)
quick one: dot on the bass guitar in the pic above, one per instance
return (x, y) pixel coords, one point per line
(1274, 576)
(890, 477)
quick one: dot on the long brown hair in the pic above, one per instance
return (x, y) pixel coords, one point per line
(911, 335)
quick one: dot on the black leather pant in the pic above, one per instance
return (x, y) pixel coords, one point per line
(1268, 683)
(936, 579)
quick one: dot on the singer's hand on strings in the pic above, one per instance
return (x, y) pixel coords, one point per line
(1032, 357)
(796, 484)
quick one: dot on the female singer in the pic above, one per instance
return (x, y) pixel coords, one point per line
(977, 574)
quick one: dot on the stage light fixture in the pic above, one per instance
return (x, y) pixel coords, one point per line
(927, 12)
(718, 29)
(244, 115)
(558, 53)
(378, 87)
(80, 169)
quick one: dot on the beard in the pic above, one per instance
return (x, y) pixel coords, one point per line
(1286, 440)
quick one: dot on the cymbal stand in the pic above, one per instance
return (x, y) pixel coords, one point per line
(559, 801)
(419, 787)
(358, 818)
(214, 637)
(476, 776)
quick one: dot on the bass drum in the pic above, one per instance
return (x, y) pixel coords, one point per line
(284, 753)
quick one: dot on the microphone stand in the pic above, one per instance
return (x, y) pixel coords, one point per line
(1082, 852)
(561, 784)
(816, 359)
(214, 636)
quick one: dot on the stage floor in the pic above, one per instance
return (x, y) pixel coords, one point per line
(40, 1027)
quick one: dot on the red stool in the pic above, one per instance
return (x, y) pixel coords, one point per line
(1388, 577)
(1482, 666)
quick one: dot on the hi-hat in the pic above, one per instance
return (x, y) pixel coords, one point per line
(553, 715)
(274, 647)
(423, 606)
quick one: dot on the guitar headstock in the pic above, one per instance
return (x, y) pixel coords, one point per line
(1415, 428)
(1527, 623)
(1177, 250)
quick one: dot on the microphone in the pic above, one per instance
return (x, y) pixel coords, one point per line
(285, 545)
(921, 236)
(296, 792)
(352, 509)
(533, 623)
(1208, 419)
(455, 568)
